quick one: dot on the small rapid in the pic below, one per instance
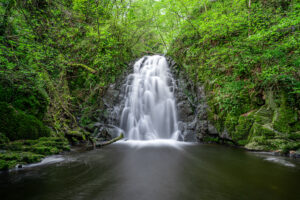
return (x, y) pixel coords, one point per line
(150, 109)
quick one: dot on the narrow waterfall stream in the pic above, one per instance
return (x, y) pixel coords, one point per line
(150, 111)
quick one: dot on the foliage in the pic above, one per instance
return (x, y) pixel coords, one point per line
(29, 151)
(247, 55)
(57, 58)
(15, 124)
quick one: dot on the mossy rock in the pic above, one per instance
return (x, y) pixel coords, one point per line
(269, 99)
(283, 118)
(30, 151)
(262, 130)
(243, 128)
(255, 146)
(265, 144)
(5, 165)
(77, 135)
(264, 115)
(209, 139)
(21, 157)
(16, 125)
(10, 159)
(44, 150)
(294, 136)
(230, 123)
(44, 145)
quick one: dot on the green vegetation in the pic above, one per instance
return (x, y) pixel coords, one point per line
(30, 151)
(247, 55)
(57, 59)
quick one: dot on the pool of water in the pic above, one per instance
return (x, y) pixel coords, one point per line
(160, 170)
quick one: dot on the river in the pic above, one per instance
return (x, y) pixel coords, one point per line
(164, 170)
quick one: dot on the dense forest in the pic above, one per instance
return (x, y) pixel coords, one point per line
(58, 58)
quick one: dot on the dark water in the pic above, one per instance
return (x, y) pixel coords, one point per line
(164, 172)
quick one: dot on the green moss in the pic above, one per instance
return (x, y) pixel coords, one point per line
(243, 128)
(283, 117)
(31, 100)
(29, 157)
(294, 135)
(242, 142)
(210, 139)
(44, 150)
(262, 130)
(30, 151)
(4, 165)
(15, 124)
(3, 139)
(263, 115)
(77, 135)
(230, 124)
(269, 99)
(265, 144)
(10, 159)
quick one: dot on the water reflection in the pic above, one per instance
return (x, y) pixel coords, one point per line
(151, 171)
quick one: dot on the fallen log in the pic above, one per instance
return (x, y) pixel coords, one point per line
(102, 144)
(110, 141)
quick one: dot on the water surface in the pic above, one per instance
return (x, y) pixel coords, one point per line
(157, 170)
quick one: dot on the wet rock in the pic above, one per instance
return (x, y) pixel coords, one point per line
(212, 130)
(19, 166)
(225, 135)
(185, 111)
(104, 134)
(191, 106)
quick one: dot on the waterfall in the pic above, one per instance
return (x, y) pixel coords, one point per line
(150, 111)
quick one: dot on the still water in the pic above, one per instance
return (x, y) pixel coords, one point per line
(156, 170)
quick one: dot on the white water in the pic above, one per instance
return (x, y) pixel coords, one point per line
(150, 111)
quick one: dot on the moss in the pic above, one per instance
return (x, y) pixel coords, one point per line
(4, 165)
(261, 130)
(294, 135)
(77, 135)
(255, 146)
(269, 99)
(44, 150)
(263, 115)
(29, 157)
(31, 100)
(243, 128)
(283, 118)
(3, 139)
(266, 144)
(242, 142)
(15, 124)
(10, 159)
(296, 127)
(210, 139)
(30, 151)
(230, 124)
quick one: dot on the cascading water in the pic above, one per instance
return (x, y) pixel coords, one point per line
(150, 111)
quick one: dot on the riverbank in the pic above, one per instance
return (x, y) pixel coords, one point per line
(23, 152)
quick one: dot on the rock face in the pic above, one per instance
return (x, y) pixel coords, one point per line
(191, 107)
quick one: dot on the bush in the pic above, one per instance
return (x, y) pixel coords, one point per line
(16, 125)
